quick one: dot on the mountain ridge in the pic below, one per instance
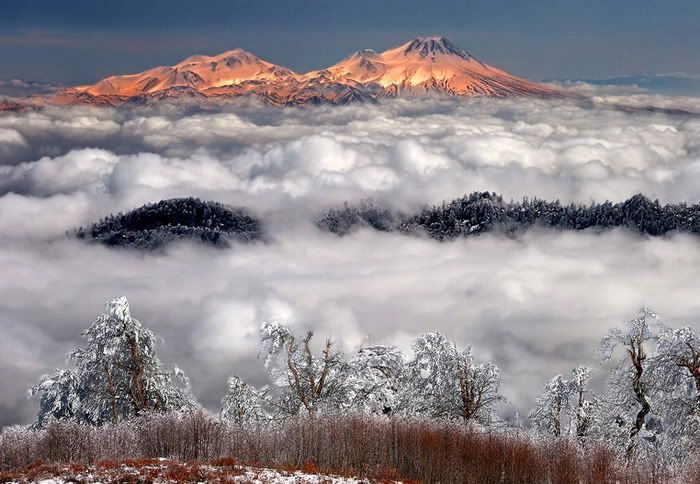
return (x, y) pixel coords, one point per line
(421, 65)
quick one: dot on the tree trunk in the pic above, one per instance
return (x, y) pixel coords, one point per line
(638, 356)
(112, 395)
(582, 421)
(139, 395)
(556, 417)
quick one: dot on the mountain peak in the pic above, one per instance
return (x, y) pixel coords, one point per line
(423, 64)
(434, 46)
(366, 53)
(234, 53)
(430, 38)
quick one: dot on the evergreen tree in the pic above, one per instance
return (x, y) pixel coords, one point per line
(117, 375)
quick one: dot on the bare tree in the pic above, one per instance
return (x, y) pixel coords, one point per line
(679, 359)
(676, 373)
(478, 386)
(306, 381)
(630, 385)
(563, 407)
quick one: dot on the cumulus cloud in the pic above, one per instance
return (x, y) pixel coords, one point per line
(535, 305)
(406, 153)
(22, 88)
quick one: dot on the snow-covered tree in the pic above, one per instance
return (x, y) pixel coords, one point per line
(563, 408)
(676, 372)
(628, 402)
(243, 403)
(679, 361)
(117, 375)
(551, 406)
(308, 382)
(444, 382)
(60, 397)
(374, 381)
(583, 406)
(305, 381)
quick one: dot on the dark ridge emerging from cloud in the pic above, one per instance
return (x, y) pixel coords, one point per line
(155, 225)
(482, 212)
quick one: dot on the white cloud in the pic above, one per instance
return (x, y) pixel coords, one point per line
(11, 141)
(81, 170)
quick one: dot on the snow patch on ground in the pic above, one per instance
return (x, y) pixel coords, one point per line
(164, 471)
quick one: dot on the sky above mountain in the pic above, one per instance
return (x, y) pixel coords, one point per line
(80, 41)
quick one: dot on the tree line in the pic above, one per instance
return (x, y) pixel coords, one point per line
(153, 226)
(649, 407)
(482, 212)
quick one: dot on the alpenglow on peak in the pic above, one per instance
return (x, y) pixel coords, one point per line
(435, 45)
(422, 65)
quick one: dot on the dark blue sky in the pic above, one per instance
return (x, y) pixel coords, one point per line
(75, 41)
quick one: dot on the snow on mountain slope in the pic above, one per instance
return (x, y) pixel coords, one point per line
(431, 63)
(199, 72)
(424, 64)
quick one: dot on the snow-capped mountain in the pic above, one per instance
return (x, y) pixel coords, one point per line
(424, 64)
(199, 72)
(430, 63)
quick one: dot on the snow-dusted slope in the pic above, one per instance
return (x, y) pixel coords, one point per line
(199, 72)
(430, 63)
(420, 65)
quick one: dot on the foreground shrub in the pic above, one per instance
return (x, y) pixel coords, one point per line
(378, 448)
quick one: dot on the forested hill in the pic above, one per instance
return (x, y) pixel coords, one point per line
(482, 212)
(154, 225)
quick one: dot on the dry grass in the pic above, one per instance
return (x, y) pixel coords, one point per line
(199, 447)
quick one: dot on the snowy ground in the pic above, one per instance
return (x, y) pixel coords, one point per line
(163, 471)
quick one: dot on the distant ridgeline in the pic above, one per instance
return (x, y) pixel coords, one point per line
(482, 212)
(154, 225)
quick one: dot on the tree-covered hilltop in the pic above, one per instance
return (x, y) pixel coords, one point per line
(482, 212)
(154, 225)
(344, 220)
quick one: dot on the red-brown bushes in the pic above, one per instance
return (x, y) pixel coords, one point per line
(379, 448)
(309, 467)
(225, 462)
(10, 476)
(41, 470)
(188, 472)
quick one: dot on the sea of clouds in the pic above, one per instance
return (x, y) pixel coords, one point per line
(535, 305)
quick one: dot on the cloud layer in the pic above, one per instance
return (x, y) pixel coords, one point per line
(535, 305)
